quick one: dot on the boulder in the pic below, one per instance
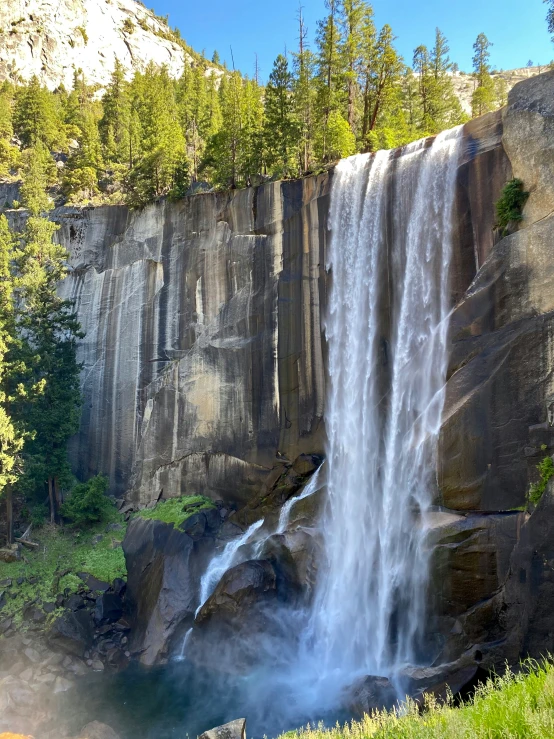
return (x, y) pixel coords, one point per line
(72, 632)
(455, 677)
(371, 694)
(240, 590)
(164, 567)
(97, 730)
(233, 730)
(109, 608)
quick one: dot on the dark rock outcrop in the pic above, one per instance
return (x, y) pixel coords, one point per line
(164, 568)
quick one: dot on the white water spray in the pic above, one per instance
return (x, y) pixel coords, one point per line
(222, 562)
(387, 334)
(313, 486)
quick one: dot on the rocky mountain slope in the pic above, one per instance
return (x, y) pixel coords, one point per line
(51, 38)
(464, 84)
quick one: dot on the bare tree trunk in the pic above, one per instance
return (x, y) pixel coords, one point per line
(57, 494)
(9, 514)
(51, 498)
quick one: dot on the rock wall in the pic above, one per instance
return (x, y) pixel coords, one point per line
(203, 356)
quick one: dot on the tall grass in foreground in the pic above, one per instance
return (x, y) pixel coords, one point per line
(506, 707)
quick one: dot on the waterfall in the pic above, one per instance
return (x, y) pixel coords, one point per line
(313, 486)
(219, 565)
(387, 325)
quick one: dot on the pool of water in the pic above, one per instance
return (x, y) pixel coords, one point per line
(180, 700)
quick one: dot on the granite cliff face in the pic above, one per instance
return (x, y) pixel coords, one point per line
(204, 362)
(203, 354)
(50, 39)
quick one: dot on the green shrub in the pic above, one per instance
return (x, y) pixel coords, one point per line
(546, 470)
(88, 502)
(510, 205)
(128, 26)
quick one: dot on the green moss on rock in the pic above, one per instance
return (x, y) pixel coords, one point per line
(177, 510)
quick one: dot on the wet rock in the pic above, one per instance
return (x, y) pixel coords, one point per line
(233, 730)
(307, 464)
(97, 730)
(62, 685)
(74, 602)
(164, 567)
(97, 665)
(119, 587)
(438, 681)
(371, 694)
(241, 589)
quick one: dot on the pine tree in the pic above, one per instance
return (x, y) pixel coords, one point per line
(445, 108)
(422, 69)
(47, 362)
(281, 129)
(160, 164)
(329, 73)
(36, 118)
(115, 124)
(484, 95)
(11, 437)
(304, 98)
(383, 83)
(38, 174)
(352, 18)
(252, 138)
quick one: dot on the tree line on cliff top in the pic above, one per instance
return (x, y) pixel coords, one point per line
(154, 136)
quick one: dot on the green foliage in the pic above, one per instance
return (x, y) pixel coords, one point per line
(509, 208)
(177, 510)
(88, 502)
(153, 137)
(64, 551)
(546, 471)
(517, 706)
(281, 129)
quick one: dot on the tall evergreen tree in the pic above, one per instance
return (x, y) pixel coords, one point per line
(304, 97)
(281, 129)
(352, 19)
(115, 124)
(329, 71)
(11, 437)
(484, 95)
(36, 118)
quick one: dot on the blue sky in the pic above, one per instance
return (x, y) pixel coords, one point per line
(516, 27)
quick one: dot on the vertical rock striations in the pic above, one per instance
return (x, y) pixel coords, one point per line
(203, 354)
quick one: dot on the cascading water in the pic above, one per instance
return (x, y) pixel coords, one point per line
(387, 334)
(224, 561)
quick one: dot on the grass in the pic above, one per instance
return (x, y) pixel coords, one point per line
(509, 707)
(62, 549)
(177, 510)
